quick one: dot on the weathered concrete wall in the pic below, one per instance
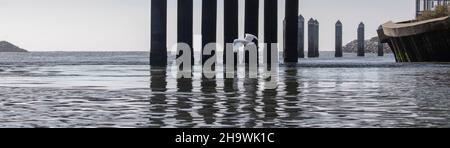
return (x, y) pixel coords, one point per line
(427, 47)
(392, 29)
(426, 41)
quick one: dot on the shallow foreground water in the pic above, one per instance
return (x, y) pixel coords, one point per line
(54, 89)
(326, 92)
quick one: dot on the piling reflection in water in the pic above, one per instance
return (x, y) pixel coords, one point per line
(158, 99)
(208, 100)
(269, 108)
(249, 102)
(376, 95)
(184, 102)
(291, 106)
(231, 102)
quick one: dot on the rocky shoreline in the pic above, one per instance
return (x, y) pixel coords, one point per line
(371, 46)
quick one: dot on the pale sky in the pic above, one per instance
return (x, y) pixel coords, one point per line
(124, 25)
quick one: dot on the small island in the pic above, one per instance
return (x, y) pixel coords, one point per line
(8, 47)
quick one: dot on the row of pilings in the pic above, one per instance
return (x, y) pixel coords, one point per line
(158, 49)
(294, 29)
(313, 38)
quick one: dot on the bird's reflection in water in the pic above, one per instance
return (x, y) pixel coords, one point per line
(158, 99)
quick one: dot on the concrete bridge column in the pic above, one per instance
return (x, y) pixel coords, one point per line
(209, 26)
(380, 49)
(270, 26)
(158, 45)
(185, 24)
(380, 45)
(231, 26)
(251, 21)
(290, 52)
(311, 32)
(316, 39)
(338, 39)
(301, 37)
(361, 40)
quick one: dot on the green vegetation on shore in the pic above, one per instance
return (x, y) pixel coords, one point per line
(439, 11)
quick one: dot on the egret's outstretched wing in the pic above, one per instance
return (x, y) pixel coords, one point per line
(238, 43)
(250, 37)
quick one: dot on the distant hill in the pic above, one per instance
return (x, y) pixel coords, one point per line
(371, 46)
(8, 47)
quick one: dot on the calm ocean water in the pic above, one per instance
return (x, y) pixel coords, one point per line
(74, 89)
(119, 89)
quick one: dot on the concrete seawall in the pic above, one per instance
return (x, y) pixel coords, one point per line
(424, 41)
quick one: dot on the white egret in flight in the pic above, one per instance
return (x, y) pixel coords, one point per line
(239, 44)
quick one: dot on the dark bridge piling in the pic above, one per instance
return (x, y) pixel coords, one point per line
(231, 26)
(380, 45)
(185, 24)
(251, 22)
(311, 39)
(301, 37)
(316, 39)
(380, 49)
(290, 52)
(270, 26)
(209, 26)
(361, 40)
(158, 45)
(338, 39)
